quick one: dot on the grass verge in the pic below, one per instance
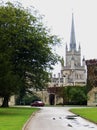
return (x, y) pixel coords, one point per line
(87, 113)
(15, 117)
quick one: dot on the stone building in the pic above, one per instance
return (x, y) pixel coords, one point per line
(71, 74)
(74, 70)
(92, 82)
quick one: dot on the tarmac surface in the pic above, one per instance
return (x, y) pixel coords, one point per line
(58, 118)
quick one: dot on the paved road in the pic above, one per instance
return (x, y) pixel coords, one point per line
(58, 118)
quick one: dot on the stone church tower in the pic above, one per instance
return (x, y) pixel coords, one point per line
(74, 71)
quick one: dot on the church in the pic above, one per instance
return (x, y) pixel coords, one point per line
(72, 73)
(74, 70)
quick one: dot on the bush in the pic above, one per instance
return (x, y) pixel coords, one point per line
(27, 100)
(74, 95)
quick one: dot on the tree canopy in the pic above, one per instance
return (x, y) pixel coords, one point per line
(25, 50)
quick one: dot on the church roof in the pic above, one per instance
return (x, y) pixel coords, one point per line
(72, 37)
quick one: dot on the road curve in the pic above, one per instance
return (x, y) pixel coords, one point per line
(58, 118)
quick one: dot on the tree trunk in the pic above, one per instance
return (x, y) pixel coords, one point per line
(5, 101)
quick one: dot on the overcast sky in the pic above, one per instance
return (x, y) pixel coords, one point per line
(58, 17)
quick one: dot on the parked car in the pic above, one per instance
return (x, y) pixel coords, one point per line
(37, 103)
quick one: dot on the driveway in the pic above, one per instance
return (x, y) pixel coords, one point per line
(58, 118)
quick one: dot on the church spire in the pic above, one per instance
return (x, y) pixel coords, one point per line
(72, 37)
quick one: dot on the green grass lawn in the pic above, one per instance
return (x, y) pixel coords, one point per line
(87, 113)
(14, 118)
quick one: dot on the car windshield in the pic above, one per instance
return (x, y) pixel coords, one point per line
(39, 101)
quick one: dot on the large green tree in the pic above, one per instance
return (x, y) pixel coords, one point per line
(25, 51)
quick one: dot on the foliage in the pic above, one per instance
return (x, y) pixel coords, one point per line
(74, 95)
(25, 51)
(27, 99)
(62, 61)
(78, 95)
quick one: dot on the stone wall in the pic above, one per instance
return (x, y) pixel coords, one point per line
(91, 97)
(92, 82)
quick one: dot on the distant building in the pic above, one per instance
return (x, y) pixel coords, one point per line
(74, 71)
